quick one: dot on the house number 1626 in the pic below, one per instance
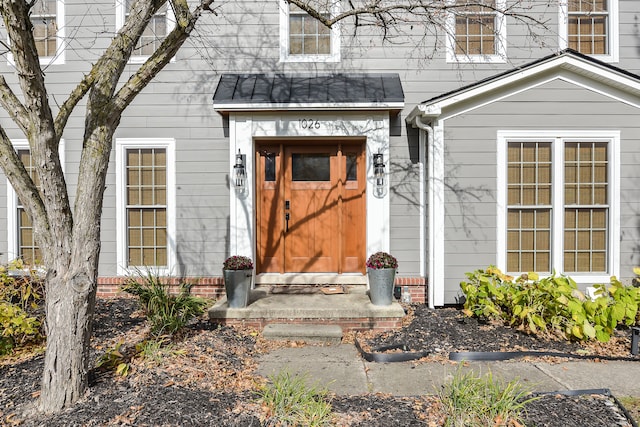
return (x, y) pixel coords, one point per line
(309, 124)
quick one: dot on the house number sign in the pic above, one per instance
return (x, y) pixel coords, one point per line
(309, 124)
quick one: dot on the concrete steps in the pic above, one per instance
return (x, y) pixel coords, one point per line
(351, 311)
(307, 332)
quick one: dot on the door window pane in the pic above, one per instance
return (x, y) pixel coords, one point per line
(270, 167)
(310, 167)
(352, 167)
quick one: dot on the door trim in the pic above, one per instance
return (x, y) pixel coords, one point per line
(246, 127)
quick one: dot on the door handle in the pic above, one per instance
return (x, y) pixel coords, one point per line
(286, 219)
(287, 204)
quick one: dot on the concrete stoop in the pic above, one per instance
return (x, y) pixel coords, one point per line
(351, 311)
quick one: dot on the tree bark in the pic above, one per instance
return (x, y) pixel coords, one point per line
(70, 305)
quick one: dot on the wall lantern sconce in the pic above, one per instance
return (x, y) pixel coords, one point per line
(379, 172)
(239, 173)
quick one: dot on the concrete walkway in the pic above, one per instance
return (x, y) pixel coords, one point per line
(341, 369)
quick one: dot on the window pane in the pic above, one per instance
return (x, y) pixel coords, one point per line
(307, 36)
(270, 167)
(153, 34)
(529, 229)
(585, 240)
(310, 167)
(43, 19)
(146, 206)
(352, 168)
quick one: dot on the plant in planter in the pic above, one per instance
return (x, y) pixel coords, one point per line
(237, 271)
(381, 271)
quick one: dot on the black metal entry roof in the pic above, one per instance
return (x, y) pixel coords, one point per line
(263, 91)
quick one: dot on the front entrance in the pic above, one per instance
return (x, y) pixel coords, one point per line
(311, 207)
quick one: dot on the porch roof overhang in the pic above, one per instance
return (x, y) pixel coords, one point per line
(567, 64)
(299, 92)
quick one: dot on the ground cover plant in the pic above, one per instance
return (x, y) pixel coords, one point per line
(552, 304)
(21, 311)
(291, 400)
(475, 400)
(167, 313)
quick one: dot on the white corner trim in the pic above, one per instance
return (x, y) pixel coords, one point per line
(121, 145)
(558, 137)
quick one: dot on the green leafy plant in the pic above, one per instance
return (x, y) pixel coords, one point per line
(477, 401)
(237, 262)
(292, 401)
(380, 260)
(21, 311)
(115, 359)
(166, 313)
(552, 304)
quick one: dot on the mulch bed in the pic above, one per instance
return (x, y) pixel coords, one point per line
(207, 377)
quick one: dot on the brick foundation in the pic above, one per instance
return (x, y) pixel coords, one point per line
(213, 287)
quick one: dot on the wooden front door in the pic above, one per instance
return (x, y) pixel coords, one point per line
(311, 208)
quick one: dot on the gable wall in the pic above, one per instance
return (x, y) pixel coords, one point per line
(471, 169)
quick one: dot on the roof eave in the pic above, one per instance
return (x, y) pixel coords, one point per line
(227, 108)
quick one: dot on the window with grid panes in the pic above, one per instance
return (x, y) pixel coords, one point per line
(588, 26)
(45, 28)
(307, 36)
(146, 207)
(153, 34)
(28, 250)
(586, 206)
(533, 232)
(529, 198)
(476, 28)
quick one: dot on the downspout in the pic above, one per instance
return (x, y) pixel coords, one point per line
(425, 224)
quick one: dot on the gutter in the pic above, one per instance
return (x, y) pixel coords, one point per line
(417, 122)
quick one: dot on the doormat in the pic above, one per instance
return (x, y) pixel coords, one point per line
(307, 289)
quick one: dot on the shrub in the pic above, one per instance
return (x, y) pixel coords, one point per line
(291, 401)
(167, 313)
(382, 260)
(471, 401)
(238, 262)
(551, 304)
(21, 308)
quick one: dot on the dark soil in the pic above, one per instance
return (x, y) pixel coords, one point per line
(205, 377)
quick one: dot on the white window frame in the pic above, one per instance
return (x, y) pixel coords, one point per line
(122, 145)
(501, 40)
(12, 201)
(59, 57)
(285, 56)
(121, 17)
(558, 139)
(613, 36)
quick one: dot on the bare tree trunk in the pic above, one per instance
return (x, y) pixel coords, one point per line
(70, 306)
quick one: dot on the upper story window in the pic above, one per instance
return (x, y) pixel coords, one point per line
(155, 32)
(47, 19)
(591, 27)
(305, 39)
(476, 32)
